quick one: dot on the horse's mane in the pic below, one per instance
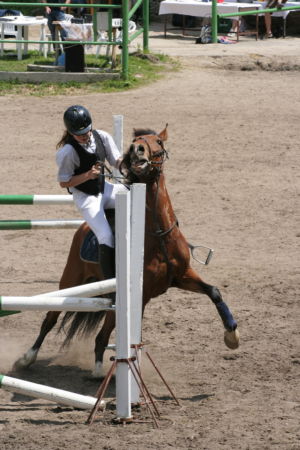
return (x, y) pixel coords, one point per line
(142, 132)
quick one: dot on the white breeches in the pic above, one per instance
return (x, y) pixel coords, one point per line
(92, 210)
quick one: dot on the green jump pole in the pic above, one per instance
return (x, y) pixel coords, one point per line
(12, 199)
(39, 224)
(260, 11)
(16, 199)
(214, 22)
(8, 313)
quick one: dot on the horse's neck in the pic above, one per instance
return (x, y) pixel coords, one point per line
(159, 207)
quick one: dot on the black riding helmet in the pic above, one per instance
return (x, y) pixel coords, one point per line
(77, 120)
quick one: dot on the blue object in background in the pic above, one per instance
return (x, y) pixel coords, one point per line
(61, 60)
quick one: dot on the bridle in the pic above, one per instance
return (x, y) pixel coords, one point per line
(162, 154)
(157, 160)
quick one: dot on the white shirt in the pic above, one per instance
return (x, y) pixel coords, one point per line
(67, 158)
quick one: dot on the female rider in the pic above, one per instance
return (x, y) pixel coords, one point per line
(80, 159)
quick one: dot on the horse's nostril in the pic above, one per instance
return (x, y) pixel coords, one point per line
(131, 148)
(140, 149)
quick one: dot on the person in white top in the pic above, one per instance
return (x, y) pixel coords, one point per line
(81, 155)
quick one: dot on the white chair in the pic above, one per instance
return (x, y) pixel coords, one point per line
(117, 32)
(10, 30)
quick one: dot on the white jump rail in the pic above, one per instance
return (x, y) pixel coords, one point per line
(47, 393)
(129, 269)
(55, 304)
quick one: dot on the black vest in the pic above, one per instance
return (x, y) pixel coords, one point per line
(87, 160)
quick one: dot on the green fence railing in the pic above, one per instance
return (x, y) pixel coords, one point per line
(126, 14)
(216, 16)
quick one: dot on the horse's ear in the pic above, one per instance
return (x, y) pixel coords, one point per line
(163, 135)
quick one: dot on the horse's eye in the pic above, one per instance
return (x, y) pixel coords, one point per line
(159, 142)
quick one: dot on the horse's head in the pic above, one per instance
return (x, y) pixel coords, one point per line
(144, 158)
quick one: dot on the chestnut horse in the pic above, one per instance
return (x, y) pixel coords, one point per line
(166, 255)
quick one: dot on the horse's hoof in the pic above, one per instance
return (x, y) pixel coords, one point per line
(232, 339)
(26, 360)
(98, 372)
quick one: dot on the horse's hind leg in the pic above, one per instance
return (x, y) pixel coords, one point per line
(192, 282)
(30, 356)
(101, 343)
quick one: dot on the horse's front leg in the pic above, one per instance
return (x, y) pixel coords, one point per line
(101, 343)
(30, 356)
(192, 282)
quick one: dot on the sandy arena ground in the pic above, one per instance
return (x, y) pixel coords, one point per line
(233, 176)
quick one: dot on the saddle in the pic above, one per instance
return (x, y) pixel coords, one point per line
(89, 251)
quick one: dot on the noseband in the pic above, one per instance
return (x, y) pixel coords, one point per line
(162, 154)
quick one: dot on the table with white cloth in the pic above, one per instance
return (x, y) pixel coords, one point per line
(199, 8)
(22, 23)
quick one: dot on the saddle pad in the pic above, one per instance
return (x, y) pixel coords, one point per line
(89, 251)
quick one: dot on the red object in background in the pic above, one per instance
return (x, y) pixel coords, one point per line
(220, 1)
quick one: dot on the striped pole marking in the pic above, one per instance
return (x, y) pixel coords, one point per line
(55, 304)
(37, 224)
(47, 393)
(35, 199)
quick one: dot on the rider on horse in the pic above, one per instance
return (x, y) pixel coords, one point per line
(81, 155)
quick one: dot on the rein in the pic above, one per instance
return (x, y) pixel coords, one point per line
(159, 233)
(163, 155)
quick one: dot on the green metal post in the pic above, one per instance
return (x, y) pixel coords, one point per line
(110, 18)
(125, 40)
(146, 25)
(95, 24)
(214, 22)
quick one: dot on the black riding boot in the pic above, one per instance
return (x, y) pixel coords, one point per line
(107, 264)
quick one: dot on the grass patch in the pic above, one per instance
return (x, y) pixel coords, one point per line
(143, 69)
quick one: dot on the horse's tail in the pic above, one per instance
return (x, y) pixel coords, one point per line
(80, 324)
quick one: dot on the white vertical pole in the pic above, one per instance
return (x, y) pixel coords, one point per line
(123, 378)
(138, 194)
(118, 137)
(118, 131)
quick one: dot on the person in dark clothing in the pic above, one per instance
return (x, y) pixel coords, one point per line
(80, 159)
(54, 14)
